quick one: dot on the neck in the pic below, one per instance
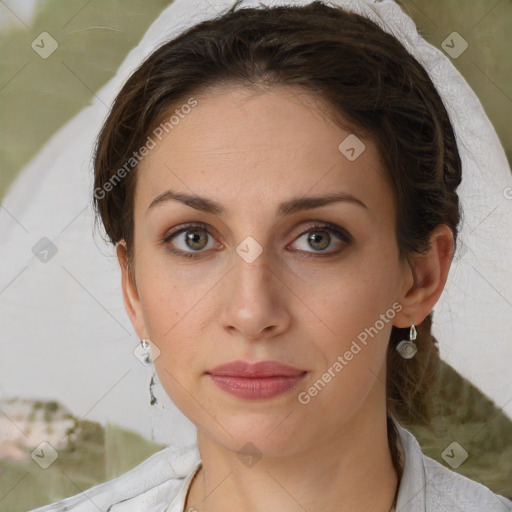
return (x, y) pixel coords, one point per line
(349, 471)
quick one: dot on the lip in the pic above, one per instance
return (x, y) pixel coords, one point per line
(256, 381)
(254, 370)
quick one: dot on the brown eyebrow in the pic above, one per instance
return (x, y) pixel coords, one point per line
(286, 208)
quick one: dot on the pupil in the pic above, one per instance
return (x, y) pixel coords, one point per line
(314, 238)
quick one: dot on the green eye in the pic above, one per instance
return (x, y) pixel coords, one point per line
(319, 238)
(195, 238)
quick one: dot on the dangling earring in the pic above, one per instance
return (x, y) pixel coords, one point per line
(407, 348)
(147, 351)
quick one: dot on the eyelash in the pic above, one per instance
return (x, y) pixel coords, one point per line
(327, 226)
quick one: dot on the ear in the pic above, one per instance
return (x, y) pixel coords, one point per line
(131, 298)
(424, 281)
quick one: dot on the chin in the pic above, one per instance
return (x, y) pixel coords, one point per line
(255, 434)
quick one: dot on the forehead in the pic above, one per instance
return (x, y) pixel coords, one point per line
(239, 146)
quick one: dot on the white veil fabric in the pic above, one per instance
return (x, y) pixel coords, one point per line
(472, 319)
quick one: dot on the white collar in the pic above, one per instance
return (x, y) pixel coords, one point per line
(411, 491)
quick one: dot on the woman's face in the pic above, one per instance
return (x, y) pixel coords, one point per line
(266, 279)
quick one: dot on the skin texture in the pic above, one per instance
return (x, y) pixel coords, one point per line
(250, 152)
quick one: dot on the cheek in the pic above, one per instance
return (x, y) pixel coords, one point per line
(350, 354)
(171, 313)
(171, 292)
(168, 307)
(353, 305)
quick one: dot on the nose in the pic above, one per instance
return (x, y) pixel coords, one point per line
(255, 300)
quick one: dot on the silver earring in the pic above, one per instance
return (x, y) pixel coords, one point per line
(407, 348)
(146, 356)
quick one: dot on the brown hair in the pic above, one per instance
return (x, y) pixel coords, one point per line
(356, 70)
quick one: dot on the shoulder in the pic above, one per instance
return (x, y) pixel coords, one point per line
(448, 490)
(428, 486)
(148, 487)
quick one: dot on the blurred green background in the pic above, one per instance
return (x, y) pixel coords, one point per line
(37, 96)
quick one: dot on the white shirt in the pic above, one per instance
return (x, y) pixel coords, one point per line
(160, 483)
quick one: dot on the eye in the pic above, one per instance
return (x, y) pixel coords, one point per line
(319, 238)
(190, 236)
